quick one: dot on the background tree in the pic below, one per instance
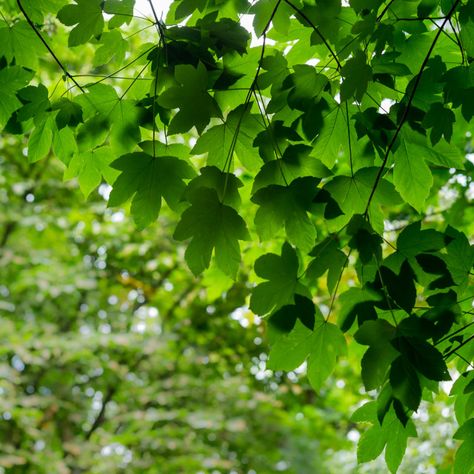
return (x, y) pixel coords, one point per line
(339, 139)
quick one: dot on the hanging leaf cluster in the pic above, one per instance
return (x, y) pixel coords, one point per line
(324, 144)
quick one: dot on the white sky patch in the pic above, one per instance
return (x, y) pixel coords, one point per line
(142, 7)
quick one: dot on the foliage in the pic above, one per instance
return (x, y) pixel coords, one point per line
(339, 139)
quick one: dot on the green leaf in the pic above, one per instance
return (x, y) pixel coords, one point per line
(282, 275)
(12, 79)
(87, 16)
(212, 226)
(405, 383)
(440, 119)
(397, 437)
(148, 180)
(377, 359)
(424, 357)
(196, 106)
(64, 145)
(464, 461)
(121, 9)
(357, 74)
(218, 141)
(284, 320)
(321, 346)
(412, 240)
(328, 257)
(295, 163)
(291, 350)
(113, 48)
(225, 184)
(411, 175)
(328, 344)
(41, 139)
(69, 113)
(287, 206)
(19, 42)
(35, 101)
(460, 256)
(263, 10)
(90, 167)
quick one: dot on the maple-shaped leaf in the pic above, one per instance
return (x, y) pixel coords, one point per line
(391, 434)
(90, 167)
(440, 119)
(295, 162)
(281, 273)
(12, 79)
(328, 257)
(238, 132)
(287, 206)
(148, 180)
(113, 48)
(464, 460)
(321, 346)
(226, 185)
(196, 106)
(332, 136)
(19, 41)
(459, 89)
(352, 193)
(41, 138)
(122, 11)
(87, 16)
(211, 226)
(35, 101)
(263, 11)
(411, 175)
(357, 74)
(226, 35)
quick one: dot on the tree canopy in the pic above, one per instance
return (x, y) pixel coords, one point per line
(313, 156)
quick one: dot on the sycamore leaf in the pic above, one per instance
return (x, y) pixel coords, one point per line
(357, 74)
(90, 167)
(328, 257)
(287, 206)
(328, 344)
(226, 185)
(149, 180)
(64, 145)
(352, 193)
(121, 9)
(211, 225)
(391, 434)
(321, 346)
(20, 42)
(295, 163)
(87, 16)
(219, 140)
(281, 273)
(411, 175)
(332, 137)
(41, 138)
(196, 106)
(35, 101)
(412, 240)
(12, 79)
(263, 11)
(440, 119)
(113, 48)
(464, 460)
(405, 383)
(460, 256)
